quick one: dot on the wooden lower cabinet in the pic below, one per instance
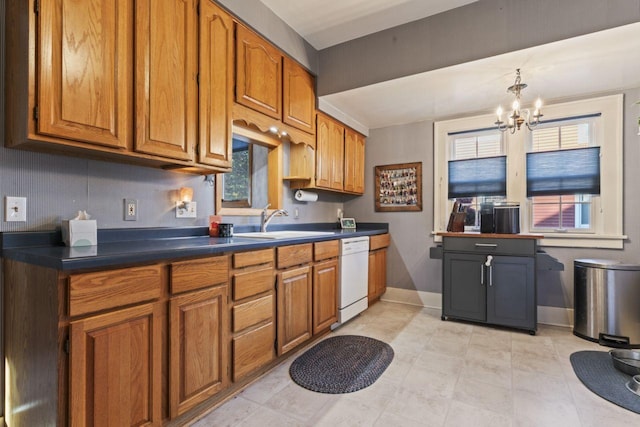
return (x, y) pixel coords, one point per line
(293, 287)
(198, 355)
(325, 295)
(377, 266)
(115, 368)
(253, 312)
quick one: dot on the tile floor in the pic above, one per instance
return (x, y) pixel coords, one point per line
(443, 374)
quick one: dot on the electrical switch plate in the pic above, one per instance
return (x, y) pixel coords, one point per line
(130, 210)
(15, 209)
(186, 210)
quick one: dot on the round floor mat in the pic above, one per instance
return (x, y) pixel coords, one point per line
(596, 371)
(341, 364)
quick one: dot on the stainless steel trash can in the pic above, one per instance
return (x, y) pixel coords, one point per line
(607, 302)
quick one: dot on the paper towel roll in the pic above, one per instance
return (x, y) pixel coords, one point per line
(306, 196)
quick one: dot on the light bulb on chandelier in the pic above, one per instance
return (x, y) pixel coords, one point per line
(518, 116)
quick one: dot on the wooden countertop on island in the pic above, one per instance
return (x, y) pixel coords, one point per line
(489, 235)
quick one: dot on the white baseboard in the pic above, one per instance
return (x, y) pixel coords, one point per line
(556, 316)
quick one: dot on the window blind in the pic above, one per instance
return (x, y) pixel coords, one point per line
(486, 176)
(563, 172)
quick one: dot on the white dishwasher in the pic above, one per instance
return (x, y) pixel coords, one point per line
(354, 273)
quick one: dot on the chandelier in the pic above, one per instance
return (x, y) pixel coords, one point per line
(518, 116)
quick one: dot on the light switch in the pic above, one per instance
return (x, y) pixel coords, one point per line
(15, 209)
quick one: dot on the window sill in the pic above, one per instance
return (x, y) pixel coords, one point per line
(583, 240)
(573, 240)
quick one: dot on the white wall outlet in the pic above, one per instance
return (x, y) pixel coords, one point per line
(339, 213)
(15, 209)
(296, 213)
(186, 210)
(130, 210)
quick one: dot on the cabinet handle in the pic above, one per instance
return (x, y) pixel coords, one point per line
(486, 245)
(482, 274)
(491, 276)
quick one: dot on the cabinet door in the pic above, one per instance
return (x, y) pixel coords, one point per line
(84, 71)
(258, 73)
(299, 97)
(294, 308)
(464, 291)
(511, 293)
(216, 85)
(166, 72)
(377, 274)
(115, 368)
(198, 358)
(329, 153)
(325, 295)
(353, 162)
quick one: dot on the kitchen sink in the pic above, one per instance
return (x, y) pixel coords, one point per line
(283, 234)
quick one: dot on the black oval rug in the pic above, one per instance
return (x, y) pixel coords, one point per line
(341, 364)
(596, 371)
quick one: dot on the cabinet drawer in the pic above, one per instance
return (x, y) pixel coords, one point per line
(288, 256)
(253, 312)
(253, 350)
(379, 241)
(103, 290)
(326, 250)
(523, 247)
(247, 259)
(252, 283)
(199, 273)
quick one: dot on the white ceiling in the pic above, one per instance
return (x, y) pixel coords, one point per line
(326, 23)
(595, 63)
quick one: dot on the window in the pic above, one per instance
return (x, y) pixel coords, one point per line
(476, 171)
(237, 183)
(563, 143)
(570, 219)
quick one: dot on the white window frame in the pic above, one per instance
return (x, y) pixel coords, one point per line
(594, 136)
(607, 214)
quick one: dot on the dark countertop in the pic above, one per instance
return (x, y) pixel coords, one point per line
(119, 247)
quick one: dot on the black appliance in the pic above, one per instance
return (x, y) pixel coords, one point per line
(486, 218)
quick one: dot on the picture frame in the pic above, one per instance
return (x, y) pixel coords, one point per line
(398, 187)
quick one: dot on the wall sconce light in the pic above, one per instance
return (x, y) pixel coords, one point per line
(185, 206)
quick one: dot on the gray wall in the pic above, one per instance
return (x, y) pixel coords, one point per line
(409, 266)
(478, 30)
(259, 17)
(57, 187)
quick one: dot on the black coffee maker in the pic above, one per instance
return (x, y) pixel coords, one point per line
(486, 218)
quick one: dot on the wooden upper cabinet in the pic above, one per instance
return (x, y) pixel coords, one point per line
(84, 71)
(258, 73)
(166, 73)
(216, 85)
(353, 162)
(329, 153)
(299, 97)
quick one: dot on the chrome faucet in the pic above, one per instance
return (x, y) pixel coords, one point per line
(265, 218)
